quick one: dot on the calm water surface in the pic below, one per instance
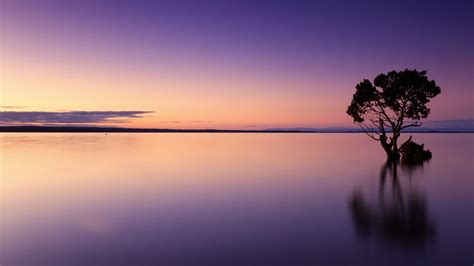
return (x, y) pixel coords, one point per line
(232, 199)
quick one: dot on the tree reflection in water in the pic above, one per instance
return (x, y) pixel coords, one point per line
(393, 216)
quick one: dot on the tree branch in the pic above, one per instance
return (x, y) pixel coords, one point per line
(370, 132)
(382, 112)
(416, 124)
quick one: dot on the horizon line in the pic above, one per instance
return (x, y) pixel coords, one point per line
(100, 129)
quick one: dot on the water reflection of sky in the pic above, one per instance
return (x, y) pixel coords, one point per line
(225, 199)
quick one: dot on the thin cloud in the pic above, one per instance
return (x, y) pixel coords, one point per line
(71, 117)
(11, 107)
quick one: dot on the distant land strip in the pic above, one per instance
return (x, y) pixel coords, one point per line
(46, 129)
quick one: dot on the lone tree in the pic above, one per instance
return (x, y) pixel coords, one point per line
(395, 101)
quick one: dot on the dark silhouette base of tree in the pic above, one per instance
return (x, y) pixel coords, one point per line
(395, 101)
(414, 153)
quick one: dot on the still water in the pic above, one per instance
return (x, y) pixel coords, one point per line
(232, 199)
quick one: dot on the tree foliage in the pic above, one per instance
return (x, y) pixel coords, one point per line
(393, 102)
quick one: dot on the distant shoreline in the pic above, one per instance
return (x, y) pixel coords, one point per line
(48, 129)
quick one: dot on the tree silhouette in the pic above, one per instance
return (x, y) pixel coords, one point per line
(395, 101)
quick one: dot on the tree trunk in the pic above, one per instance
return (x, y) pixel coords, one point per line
(387, 147)
(393, 153)
(391, 148)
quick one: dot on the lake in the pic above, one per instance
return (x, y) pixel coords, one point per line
(232, 199)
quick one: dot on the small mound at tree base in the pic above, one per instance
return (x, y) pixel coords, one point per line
(414, 153)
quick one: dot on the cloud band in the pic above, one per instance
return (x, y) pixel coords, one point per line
(71, 117)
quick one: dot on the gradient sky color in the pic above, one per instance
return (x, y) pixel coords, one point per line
(229, 64)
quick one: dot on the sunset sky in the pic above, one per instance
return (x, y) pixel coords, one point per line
(224, 64)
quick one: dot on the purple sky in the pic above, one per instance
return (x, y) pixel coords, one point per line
(232, 63)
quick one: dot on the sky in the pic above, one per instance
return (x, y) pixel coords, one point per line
(224, 64)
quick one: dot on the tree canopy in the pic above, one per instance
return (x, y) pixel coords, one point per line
(394, 101)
